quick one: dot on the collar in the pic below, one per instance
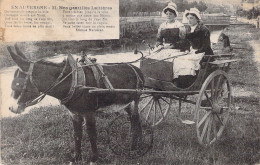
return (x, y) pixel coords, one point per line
(193, 28)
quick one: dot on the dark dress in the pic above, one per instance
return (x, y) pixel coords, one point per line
(200, 39)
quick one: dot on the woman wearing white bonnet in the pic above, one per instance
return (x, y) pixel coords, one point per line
(198, 34)
(171, 33)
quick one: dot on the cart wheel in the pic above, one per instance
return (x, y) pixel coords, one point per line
(154, 108)
(213, 107)
(120, 138)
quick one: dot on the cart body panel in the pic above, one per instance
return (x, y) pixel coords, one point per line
(159, 70)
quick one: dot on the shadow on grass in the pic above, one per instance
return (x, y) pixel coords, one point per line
(247, 100)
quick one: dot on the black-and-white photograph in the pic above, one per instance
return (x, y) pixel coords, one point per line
(133, 82)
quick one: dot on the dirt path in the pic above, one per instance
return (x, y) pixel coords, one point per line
(245, 74)
(247, 91)
(256, 46)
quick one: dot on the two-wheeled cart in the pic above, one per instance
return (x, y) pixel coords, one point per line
(210, 92)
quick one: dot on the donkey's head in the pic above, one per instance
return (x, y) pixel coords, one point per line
(33, 80)
(23, 90)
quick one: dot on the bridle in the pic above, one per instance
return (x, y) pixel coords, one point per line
(41, 95)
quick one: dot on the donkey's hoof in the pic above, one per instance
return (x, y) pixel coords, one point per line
(74, 160)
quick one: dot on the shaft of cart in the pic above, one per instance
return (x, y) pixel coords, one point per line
(137, 91)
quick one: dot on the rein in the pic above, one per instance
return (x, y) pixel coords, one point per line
(44, 93)
(142, 58)
(41, 95)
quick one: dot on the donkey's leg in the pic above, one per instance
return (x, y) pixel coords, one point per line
(92, 133)
(136, 128)
(77, 126)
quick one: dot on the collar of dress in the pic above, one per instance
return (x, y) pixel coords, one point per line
(193, 28)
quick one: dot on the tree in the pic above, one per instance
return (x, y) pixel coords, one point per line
(202, 6)
(124, 7)
(194, 4)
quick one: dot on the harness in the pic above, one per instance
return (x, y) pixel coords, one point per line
(99, 74)
(78, 80)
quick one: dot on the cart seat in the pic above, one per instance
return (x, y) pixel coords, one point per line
(220, 62)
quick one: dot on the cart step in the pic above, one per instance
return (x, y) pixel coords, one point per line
(189, 122)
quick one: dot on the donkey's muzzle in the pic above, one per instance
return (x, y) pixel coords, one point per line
(17, 109)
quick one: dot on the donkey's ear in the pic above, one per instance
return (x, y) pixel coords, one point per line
(19, 52)
(20, 61)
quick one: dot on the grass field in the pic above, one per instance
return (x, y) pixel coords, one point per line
(44, 136)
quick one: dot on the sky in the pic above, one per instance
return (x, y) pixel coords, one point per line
(223, 1)
(214, 1)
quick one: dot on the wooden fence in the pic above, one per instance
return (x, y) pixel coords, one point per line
(139, 24)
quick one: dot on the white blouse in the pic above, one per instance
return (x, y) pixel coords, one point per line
(167, 25)
(193, 28)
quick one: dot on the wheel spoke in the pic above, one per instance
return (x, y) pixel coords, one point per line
(223, 88)
(159, 104)
(224, 81)
(220, 119)
(148, 102)
(142, 97)
(204, 129)
(149, 110)
(212, 89)
(154, 118)
(214, 126)
(217, 85)
(208, 98)
(209, 129)
(222, 97)
(165, 100)
(204, 118)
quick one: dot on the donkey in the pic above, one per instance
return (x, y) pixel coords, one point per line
(34, 80)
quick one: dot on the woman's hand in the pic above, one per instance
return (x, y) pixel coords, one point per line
(158, 44)
(158, 48)
(168, 47)
(186, 52)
